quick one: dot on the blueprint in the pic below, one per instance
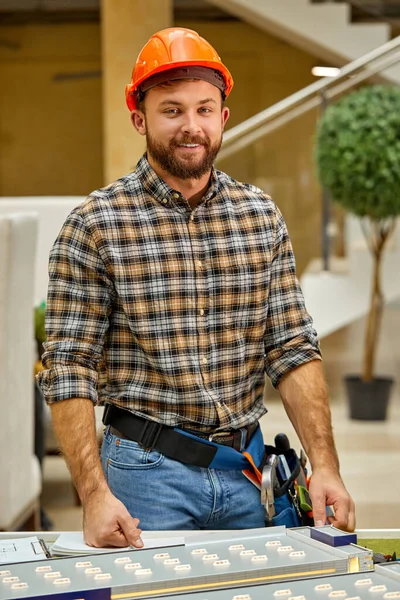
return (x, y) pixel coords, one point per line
(21, 550)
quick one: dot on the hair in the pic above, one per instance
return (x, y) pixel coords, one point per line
(140, 104)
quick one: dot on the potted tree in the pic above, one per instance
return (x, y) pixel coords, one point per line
(357, 155)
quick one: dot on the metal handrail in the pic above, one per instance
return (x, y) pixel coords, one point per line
(270, 119)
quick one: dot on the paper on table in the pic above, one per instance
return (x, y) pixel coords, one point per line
(21, 550)
(70, 543)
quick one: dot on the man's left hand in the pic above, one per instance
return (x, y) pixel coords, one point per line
(327, 489)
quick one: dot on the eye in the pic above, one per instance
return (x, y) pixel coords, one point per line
(171, 111)
(205, 110)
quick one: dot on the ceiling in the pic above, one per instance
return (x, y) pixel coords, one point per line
(16, 11)
(33, 5)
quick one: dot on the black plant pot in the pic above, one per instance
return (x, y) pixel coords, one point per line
(368, 400)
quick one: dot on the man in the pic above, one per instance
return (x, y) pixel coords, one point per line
(172, 291)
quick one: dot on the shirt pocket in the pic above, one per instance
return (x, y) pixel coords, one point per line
(156, 300)
(242, 301)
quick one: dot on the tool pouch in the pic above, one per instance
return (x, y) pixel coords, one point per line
(290, 504)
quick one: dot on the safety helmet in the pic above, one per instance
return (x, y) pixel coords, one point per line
(177, 50)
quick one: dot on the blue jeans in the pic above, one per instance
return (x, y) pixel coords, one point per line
(166, 494)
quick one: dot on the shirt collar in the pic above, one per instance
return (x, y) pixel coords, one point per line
(161, 191)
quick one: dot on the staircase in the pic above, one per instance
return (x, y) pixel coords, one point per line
(322, 29)
(341, 295)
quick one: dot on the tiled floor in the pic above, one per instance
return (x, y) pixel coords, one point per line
(369, 451)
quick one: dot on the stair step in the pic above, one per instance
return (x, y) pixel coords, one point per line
(337, 265)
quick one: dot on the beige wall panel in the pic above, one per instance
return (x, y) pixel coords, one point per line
(50, 131)
(126, 26)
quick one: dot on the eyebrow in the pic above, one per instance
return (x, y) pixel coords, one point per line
(175, 103)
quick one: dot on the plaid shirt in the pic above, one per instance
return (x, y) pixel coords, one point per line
(173, 313)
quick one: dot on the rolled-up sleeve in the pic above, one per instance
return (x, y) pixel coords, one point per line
(78, 305)
(290, 338)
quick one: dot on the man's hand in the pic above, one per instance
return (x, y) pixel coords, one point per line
(305, 397)
(327, 489)
(106, 522)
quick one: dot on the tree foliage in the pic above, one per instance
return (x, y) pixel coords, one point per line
(357, 152)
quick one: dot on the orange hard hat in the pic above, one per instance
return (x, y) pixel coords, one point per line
(179, 49)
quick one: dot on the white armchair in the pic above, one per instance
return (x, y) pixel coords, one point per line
(51, 213)
(19, 468)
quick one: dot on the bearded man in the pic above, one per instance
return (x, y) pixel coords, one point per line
(172, 293)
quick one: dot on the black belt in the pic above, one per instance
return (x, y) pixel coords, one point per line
(166, 440)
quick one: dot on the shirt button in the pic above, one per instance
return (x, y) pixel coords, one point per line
(176, 196)
(199, 263)
(165, 200)
(205, 361)
(202, 311)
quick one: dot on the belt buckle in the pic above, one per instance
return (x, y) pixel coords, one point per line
(216, 435)
(212, 435)
(236, 437)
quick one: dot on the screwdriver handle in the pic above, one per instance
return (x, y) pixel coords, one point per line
(282, 441)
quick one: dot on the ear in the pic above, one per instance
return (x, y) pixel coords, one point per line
(224, 116)
(138, 121)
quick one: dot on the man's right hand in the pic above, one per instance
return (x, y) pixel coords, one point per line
(106, 522)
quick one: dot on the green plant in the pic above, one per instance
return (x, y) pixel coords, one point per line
(358, 160)
(39, 316)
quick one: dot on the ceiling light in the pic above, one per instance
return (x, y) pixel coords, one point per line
(325, 71)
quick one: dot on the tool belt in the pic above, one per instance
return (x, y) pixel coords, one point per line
(284, 488)
(279, 486)
(193, 448)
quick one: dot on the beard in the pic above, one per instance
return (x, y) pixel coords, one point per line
(190, 167)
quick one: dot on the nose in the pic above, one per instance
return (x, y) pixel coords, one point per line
(191, 125)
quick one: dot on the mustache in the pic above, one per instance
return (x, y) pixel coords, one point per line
(190, 140)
